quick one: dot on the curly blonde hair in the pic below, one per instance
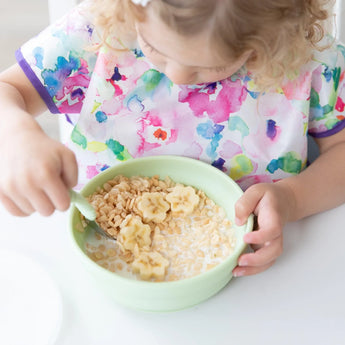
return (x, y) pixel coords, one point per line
(281, 33)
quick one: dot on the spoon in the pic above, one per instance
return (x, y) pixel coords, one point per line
(87, 210)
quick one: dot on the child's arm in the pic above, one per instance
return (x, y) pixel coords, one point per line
(36, 171)
(319, 187)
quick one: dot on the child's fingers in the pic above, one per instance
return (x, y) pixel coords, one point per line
(56, 179)
(42, 203)
(247, 203)
(262, 259)
(263, 235)
(22, 202)
(11, 207)
(269, 226)
(69, 173)
(263, 256)
(58, 194)
(248, 271)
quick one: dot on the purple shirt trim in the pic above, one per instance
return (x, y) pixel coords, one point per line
(36, 82)
(330, 132)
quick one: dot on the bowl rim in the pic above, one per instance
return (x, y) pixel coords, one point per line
(190, 280)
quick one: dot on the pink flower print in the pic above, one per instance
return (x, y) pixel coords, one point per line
(115, 78)
(269, 135)
(67, 83)
(160, 134)
(194, 150)
(153, 137)
(247, 181)
(229, 149)
(120, 69)
(154, 134)
(340, 105)
(74, 94)
(93, 170)
(317, 79)
(106, 61)
(299, 88)
(218, 106)
(166, 130)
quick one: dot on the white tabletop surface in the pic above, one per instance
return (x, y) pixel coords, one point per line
(300, 300)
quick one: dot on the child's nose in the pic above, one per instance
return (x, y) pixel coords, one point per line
(179, 74)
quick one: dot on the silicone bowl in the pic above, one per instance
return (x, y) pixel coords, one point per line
(174, 295)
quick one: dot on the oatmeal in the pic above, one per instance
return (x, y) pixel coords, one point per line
(164, 230)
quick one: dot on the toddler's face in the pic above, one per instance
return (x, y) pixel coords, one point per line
(184, 60)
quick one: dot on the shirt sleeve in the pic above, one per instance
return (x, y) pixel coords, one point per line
(60, 60)
(327, 99)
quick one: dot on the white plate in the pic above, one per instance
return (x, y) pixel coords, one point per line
(30, 302)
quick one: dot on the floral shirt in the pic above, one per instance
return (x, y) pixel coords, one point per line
(128, 109)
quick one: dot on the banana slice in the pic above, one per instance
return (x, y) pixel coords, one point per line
(183, 199)
(150, 265)
(134, 233)
(153, 207)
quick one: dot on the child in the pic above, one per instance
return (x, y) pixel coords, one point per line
(236, 83)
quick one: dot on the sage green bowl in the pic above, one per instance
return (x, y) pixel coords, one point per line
(175, 295)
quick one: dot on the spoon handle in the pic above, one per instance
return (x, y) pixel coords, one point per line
(85, 208)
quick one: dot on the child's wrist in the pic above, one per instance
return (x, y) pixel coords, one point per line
(290, 202)
(17, 122)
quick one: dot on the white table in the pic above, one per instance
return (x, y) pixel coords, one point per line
(300, 300)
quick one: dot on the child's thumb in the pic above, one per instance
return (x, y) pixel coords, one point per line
(247, 204)
(69, 171)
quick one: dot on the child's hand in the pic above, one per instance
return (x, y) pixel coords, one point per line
(36, 173)
(272, 204)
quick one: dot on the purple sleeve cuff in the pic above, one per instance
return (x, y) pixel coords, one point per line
(36, 82)
(340, 125)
